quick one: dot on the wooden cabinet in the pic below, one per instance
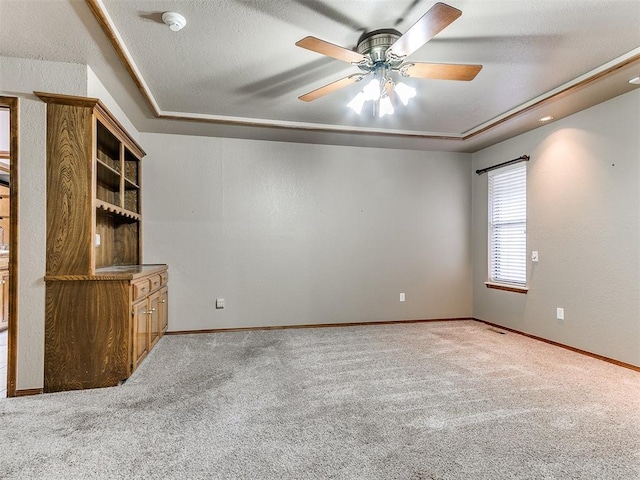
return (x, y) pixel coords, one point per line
(164, 309)
(103, 306)
(93, 188)
(140, 332)
(4, 292)
(5, 222)
(148, 314)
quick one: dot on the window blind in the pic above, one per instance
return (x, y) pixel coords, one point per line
(508, 225)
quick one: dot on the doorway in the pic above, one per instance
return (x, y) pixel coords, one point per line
(8, 244)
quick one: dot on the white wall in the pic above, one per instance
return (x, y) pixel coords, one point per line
(297, 234)
(584, 219)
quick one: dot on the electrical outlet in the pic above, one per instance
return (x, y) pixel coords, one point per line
(560, 313)
(219, 303)
(97, 241)
(402, 297)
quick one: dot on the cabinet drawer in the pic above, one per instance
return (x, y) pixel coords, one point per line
(140, 288)
(155, 282)
(164, 278)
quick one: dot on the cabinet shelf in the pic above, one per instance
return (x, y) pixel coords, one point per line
(129, 185)
(111, 209)
(107, 175)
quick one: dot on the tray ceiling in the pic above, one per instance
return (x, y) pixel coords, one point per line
(235, 67)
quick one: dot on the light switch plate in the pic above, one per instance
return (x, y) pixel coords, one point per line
(219, 303)
(534, 256)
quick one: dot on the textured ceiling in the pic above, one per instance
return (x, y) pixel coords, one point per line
(236, 61)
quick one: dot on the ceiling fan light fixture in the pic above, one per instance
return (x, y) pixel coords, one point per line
(404, 92)
(635, 81)
(381, 54)
(385, 107)
(357, 103)
(371, 90)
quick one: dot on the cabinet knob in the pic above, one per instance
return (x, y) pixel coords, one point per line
(164, 301)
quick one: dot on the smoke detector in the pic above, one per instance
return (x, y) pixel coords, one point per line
(174, 20)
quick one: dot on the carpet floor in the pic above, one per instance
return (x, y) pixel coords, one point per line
(429, 401)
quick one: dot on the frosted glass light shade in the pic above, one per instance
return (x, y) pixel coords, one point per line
(404, 92)
(386, 108)
(372, 90)
(357, 103)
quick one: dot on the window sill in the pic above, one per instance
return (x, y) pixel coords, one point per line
(507, 288)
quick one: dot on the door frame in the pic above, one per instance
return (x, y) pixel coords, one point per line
(12, 338)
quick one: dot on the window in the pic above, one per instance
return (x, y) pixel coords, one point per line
(508, 225)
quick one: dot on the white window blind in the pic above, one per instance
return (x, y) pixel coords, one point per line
(508, 225)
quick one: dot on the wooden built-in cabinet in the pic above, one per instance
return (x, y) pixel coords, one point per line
(105, 310)
(5, 224)
(4, 256)
(4, 291)
(150, 314)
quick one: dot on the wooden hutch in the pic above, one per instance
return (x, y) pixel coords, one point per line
(104, 309)
(4, 252)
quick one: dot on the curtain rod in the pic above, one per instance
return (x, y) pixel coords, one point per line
(523, 158)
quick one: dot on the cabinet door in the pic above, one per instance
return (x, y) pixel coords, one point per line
(140, 332)
(164, 308)
(4, 300)
(154, 316)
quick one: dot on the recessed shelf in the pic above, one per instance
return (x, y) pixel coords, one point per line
(131, 167)
(108, 147)
(131, 201)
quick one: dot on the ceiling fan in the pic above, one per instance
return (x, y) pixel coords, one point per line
(381, 52)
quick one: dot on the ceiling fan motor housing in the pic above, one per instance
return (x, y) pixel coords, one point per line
(375, 45)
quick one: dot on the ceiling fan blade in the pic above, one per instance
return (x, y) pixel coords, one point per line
(331, 87)
(441, 71)
(330, 50)
(433, 22)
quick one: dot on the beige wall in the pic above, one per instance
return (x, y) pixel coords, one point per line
(584, 220)
(292, 233)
